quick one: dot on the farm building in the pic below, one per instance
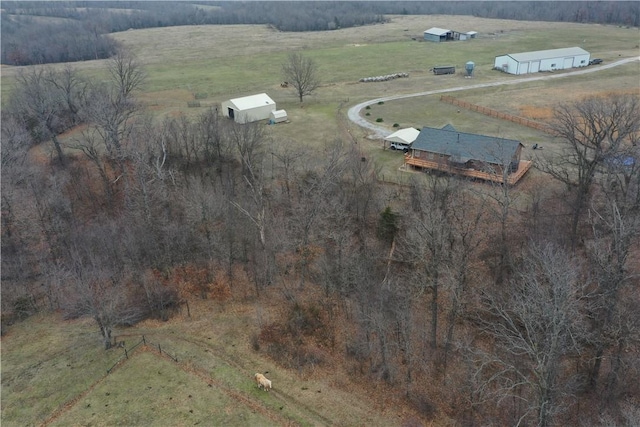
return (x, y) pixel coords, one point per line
(467, 154)
(436, 34)
(249, 108)
(402, 139)
(278, 116)
(542, 60)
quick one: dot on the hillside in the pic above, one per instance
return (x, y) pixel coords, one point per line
(369, 294)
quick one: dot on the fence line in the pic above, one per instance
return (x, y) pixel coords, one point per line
(143, 342)
(497, 114)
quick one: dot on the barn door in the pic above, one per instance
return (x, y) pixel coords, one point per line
(231, 113)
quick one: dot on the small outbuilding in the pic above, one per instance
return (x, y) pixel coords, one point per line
(278, 116)
(436, 34)
(542, 60)
(249, 108)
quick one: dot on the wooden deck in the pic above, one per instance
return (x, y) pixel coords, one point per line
(512, 179)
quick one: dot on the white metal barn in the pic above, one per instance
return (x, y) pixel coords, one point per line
(249, 108)
(542, 60)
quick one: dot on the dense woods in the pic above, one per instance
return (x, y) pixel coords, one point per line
(510, 311)
(47, 32)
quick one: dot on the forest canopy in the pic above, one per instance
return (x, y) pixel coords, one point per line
(49, 32)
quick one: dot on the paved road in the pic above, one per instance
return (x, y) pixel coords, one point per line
(381, 132)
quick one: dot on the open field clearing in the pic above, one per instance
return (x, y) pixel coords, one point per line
(54, 372)
(222, 62)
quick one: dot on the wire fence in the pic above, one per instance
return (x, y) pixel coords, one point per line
(144, 342)
(495, 113)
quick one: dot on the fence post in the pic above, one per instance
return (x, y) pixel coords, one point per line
(126, 353)
(159, 349)
(144, 341)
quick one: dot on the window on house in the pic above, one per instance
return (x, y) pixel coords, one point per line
(553, 65)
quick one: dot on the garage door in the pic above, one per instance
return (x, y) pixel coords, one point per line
(568, 63)
(535, 67)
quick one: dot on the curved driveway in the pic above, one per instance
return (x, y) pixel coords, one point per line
(381, 132)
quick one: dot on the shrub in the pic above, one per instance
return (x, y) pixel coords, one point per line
(396, 125)
(380, 102)
(379, 120)
(193, 104)
(368, 107)
(368, 114)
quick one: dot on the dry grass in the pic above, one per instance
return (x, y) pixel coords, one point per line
(47, 362)
(54, 372)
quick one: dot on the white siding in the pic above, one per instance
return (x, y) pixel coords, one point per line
(249, 108)
(548, 60)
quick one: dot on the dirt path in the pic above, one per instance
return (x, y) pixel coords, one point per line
(380, 132)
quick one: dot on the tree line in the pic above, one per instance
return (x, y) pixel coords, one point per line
(79, 29)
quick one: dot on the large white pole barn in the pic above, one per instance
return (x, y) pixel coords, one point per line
(542, 60)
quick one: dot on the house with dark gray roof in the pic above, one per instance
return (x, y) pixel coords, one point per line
(477, 156)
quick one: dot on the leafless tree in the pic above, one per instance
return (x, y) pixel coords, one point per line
(72, 89)
(315, 189)
(302, 73)
(111, 106)
(429, 239)
(596, 131)
(43, 106)
(535, 327)
(615, 232)
(502, 198)
(467, 219)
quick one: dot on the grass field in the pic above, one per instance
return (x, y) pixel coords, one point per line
(54, 371)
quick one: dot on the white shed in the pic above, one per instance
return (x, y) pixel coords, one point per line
(278, 116)
(436, 34)
(249, 108)
(542, 60)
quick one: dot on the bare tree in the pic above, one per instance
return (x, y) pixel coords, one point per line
(596, 131)
(96, 281)
(111, 106)
(43, 106)
(301, 73)
(615, 232)
(535, 327)
(428, 240)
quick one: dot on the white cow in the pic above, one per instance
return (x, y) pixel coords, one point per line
(263, 382)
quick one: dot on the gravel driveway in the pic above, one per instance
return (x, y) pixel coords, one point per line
(380, 132)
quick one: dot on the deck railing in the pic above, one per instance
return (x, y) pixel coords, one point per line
(512, 178)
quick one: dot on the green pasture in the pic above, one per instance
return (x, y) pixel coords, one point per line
(55, 371)
(150, 391)
(46, 362)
